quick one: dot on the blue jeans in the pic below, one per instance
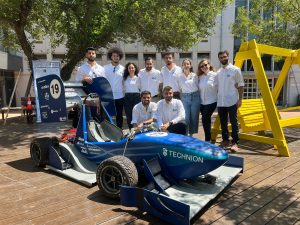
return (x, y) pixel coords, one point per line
(191, 104)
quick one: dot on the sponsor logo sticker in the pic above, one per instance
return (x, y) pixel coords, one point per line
(180, 155)
(157, 134)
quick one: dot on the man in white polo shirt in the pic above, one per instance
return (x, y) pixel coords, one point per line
(143, 112)
(170, 73)
(149, 79)
(170, 114)
(91, 69)
(230, 94)
(114, 75)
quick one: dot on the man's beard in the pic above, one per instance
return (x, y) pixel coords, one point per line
(224, 62)
(146, 104)
(91, 59)
(168, 99)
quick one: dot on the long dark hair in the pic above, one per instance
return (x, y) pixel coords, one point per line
(126, 72)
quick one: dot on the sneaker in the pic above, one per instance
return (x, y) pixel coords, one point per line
(234, 148)
(224, 144)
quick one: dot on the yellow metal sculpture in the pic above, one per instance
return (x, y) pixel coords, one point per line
(255, 114)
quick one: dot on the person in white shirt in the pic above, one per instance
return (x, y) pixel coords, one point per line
(188, 84)
(170, 115)
(91, 69)
(150, 79)
(132, 91)
(208, 94)
(144, 111)
(114, 75)
(230, 94)
(170, 73)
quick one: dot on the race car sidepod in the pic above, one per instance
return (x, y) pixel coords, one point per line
(178, 202)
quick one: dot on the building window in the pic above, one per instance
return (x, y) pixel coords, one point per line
(58, 56)
(151, 55)
(278, 64)
(131, 56)
(203, 55)
(251, 89)
(40, 56)
(185, 55)
(267, 62)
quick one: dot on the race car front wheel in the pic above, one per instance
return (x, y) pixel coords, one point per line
(39, 151)
(114, 172)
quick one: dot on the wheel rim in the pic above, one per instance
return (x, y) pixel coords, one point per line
(36, 154)
(112, 179)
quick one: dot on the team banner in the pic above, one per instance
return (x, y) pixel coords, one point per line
(41, 69)
(52, 100)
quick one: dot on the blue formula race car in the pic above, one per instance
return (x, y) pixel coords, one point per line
(161, 173)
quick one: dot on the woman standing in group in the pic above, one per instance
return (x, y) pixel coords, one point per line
(188, 84)
(208, 94)
(132, 92)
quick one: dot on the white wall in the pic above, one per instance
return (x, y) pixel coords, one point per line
(293, 86)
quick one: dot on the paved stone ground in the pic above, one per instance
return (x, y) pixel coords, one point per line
(267, 192)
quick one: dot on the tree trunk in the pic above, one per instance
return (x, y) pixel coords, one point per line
(20, 32)
(68, 68)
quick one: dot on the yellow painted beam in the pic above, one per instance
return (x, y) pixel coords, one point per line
(296, 57)
(289, 121)
(289, 109)
(215, 130)
(262, 139)
(263, 85)
(271, 50)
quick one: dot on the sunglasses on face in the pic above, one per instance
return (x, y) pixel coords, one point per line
(204, 65)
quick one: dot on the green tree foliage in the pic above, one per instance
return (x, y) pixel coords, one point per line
(82, 23)
(272, 22)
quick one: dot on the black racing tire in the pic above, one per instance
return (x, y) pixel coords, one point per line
(114, 172)
(39, 151)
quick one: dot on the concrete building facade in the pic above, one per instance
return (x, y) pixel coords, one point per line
(11, 64)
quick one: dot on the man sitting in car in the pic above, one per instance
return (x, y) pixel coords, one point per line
(143, 112)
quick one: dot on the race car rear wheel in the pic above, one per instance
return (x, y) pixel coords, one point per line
(114, 172)
(39, 151)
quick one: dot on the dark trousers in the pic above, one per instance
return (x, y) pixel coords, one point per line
(119, 103)
(130, 100)
(178, 128)
(206, 112)
(223, 114)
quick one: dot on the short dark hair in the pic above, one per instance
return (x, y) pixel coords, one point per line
(167, 88)
(148, 58)
(167, 53)
(90, 49)
(223, 52)
(115, 50)
(145, 93)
